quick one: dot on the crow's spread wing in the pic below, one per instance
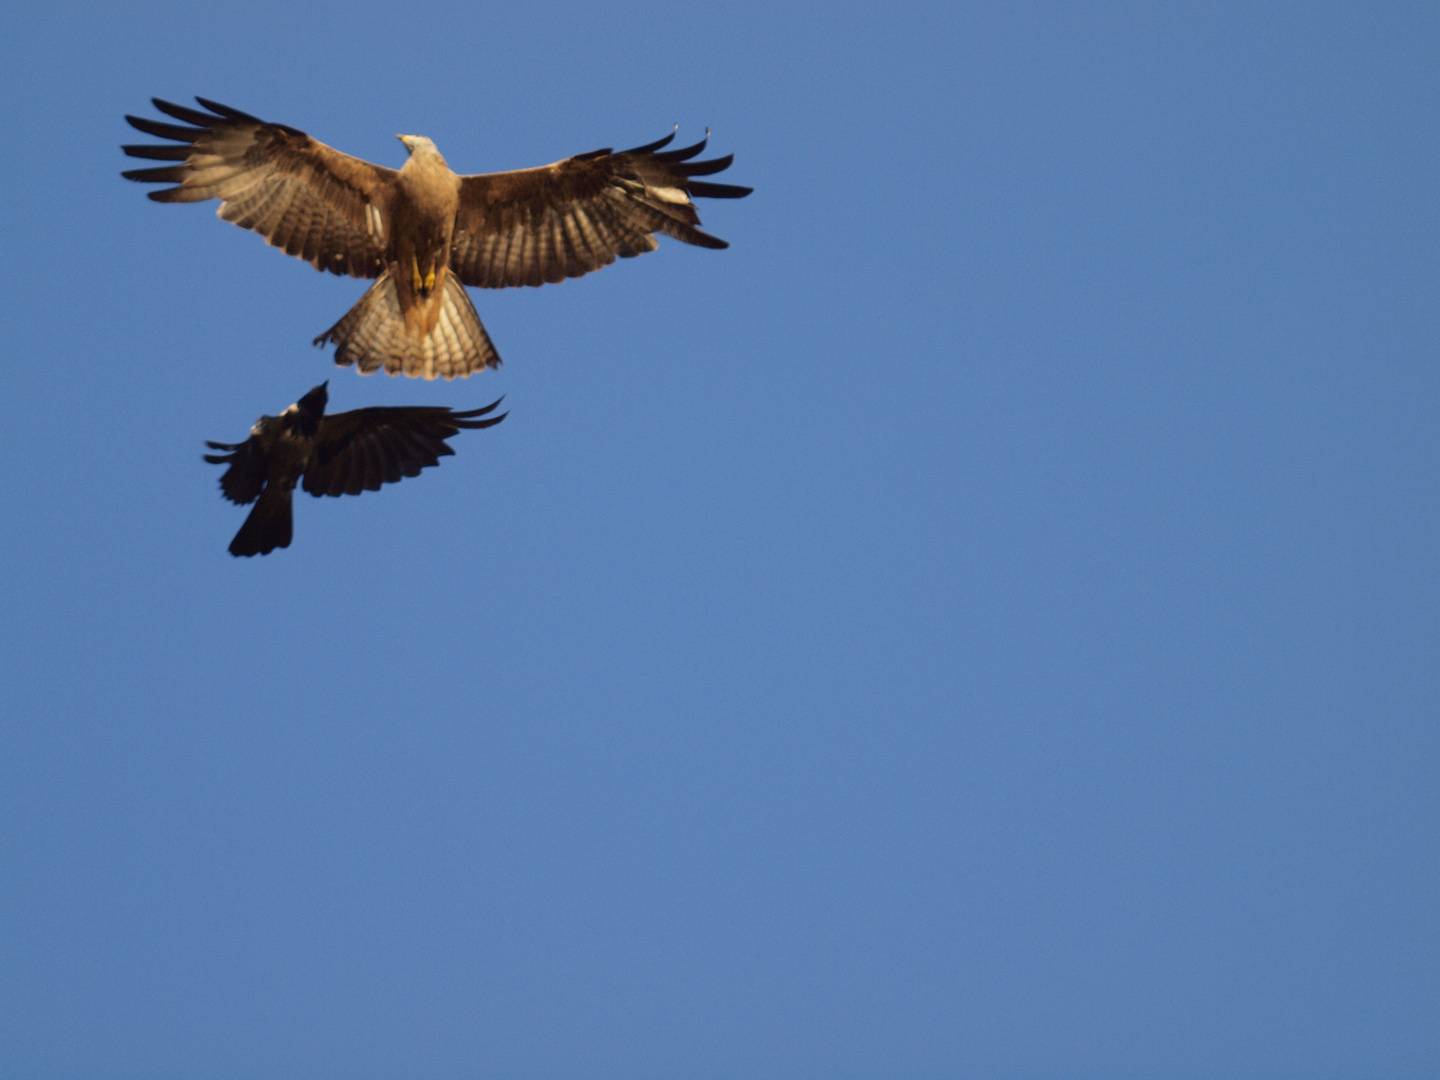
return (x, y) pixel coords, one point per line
(326, 207)
(362, 449)
(536, 225)
(244, 480)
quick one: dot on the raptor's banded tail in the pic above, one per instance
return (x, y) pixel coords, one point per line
(373, 335)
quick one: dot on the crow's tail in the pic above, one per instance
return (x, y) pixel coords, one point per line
(269, 525)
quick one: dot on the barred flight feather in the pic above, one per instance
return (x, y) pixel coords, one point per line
(341, 214)
(373, 335)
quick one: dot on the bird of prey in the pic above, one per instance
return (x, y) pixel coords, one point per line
(343, 454)
(424, 232)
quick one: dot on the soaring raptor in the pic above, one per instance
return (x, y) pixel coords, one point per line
(424, 232)
(343, 454)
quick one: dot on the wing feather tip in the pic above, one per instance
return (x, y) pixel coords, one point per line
(706, 190)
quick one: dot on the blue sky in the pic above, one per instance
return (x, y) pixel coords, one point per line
(984, 623)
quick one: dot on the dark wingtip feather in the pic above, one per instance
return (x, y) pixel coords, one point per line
(705, 168)
(141, 123)
(181, 112)
(165, 106)
(162, 130)
(717, 191)
(466, 419)
(158, 153)
(478, 412)
(685, 153)
(227, 112)
(650, 148)
(165, 174)
(475, 425)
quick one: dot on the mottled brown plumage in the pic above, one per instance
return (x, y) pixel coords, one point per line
(424, 232)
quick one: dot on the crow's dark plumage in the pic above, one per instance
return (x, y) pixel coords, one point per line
(343, 454)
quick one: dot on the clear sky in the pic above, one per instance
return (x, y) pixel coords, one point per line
(985, 623)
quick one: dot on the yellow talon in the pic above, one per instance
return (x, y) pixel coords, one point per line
(416, 283)
(430, 280)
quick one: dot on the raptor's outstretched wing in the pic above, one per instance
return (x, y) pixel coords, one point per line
(310, 200)
(536, 225)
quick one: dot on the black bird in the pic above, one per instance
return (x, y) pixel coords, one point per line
(343, 454)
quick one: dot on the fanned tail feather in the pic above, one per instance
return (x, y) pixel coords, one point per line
(373, 335)
(270, 525)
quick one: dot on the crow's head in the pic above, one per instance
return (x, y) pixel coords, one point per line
(315, 401)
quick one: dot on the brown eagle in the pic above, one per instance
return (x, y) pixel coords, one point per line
(343, 454)
(424, 232)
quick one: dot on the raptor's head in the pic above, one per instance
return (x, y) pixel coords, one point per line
(418, 145)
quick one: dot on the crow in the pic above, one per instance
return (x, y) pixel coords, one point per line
(343, 454)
